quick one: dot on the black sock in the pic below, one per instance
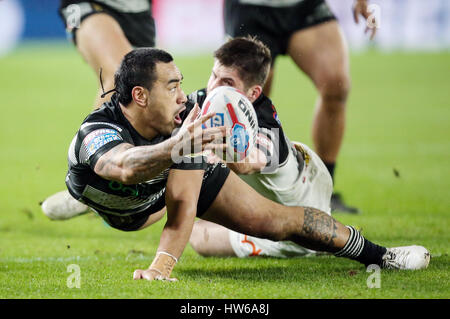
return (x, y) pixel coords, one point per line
(330, 167)
(360, 249)
(371, 254)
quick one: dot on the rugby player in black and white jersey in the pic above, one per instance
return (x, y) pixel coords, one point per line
(118, 165)
(103, 31)
(307, 31)
(119, 159)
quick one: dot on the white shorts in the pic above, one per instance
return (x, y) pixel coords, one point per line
(311, 188)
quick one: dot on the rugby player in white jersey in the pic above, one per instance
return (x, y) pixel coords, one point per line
(285, 172)
(307, 31)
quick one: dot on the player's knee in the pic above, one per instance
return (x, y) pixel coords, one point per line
(194, 240)
(197, 239)
(334, 89)
(273, 231)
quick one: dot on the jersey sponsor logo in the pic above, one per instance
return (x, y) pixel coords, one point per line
(98, 138)
(244, 108)
(127, 190)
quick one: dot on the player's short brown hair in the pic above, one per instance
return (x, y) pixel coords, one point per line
(249, 56)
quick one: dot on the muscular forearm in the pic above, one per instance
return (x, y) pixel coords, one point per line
(130, 164)
(176, 233)
(182, 193)
(174, 239)
(145, 162)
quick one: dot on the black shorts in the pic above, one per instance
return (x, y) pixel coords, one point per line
(139, 28)
(213, 180)
(274, 25)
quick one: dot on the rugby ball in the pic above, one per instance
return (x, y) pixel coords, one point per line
(235, 111)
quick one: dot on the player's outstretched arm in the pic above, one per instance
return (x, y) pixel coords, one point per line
(182, 192)
(131, 164)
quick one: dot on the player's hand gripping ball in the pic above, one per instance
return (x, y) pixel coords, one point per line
(233, 110)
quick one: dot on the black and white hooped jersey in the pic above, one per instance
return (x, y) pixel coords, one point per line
(102, 130)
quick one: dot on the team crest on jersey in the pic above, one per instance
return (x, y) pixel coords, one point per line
(96, 139)
(275, 115)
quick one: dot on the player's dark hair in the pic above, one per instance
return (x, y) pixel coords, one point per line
(138, 69)
(249, 56)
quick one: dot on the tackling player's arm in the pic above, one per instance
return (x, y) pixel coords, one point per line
(253, 163)
(259, 157)
(182, 192)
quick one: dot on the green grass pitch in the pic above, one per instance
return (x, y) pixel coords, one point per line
(394, 165)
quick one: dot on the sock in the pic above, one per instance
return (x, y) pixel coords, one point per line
(360, 249)
(330, 167)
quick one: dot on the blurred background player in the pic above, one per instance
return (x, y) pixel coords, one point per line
(103, 31)
(308, 32)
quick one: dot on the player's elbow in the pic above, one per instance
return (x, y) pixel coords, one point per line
(128, 176)
(135, 175)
